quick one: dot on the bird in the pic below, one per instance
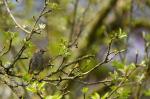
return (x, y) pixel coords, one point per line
(37, 62)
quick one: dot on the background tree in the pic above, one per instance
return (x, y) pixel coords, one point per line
(98, 49)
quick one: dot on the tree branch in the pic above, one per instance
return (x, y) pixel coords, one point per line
(13, 18)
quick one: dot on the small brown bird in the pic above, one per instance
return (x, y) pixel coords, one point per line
(37, 62)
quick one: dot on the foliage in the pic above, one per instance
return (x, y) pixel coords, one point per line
(87, 49)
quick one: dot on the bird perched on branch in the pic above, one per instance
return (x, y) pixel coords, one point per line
(38, 62)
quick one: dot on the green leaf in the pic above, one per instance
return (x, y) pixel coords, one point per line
(29, 44)
(146, 36)
(139, 78)
(41, 85)
(85, 90)
(32, 88)
(118, 65)
(131, 66)
(114, 75)
(95, 96)
(122, 34)
(56, 96)
(105, 96)
(11, 34)
(35, 86)
(147, 92)
(63, 49)
(119, 34)
(53, 5)
(26, 77)
(123, 93)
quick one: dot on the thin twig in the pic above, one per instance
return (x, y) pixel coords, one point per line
(121, 82)
(17, 57)
(10, 45)
(94, 83)
(70, 63)
(63, 60)
(106, 60)
(2, 49)
(13, 18)
(80, 28)
(77, 60)
(34, 26)
(74, 20)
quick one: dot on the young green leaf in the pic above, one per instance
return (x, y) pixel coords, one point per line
(95, 96)
(85, 90)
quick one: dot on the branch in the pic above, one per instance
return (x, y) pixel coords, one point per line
(106, 60)
(74, 20)
(17, 57)
(79, 29)
(36, 21)
(13, 18)
(102, 14)
(2, 49)
(10, 45)
(78, 60)
(59, 79)
(94, 83)
(70, 63)
(122, 82)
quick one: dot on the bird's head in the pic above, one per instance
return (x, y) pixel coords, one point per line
(42, 51)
